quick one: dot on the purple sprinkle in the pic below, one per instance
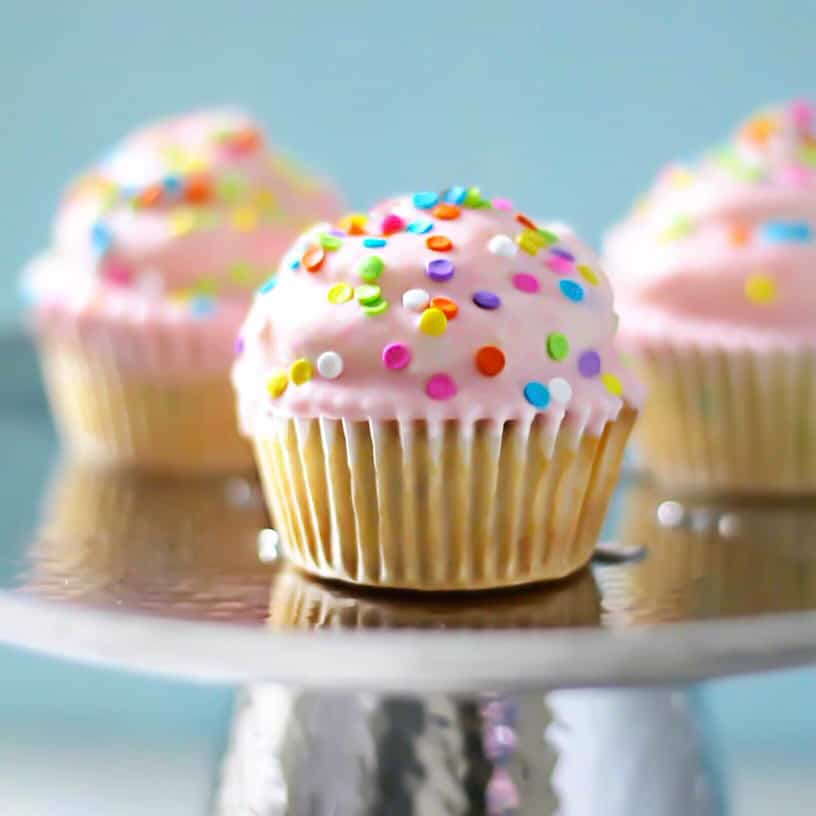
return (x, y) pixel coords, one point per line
(239, 345)
(337, 233)
(589, 363)
(439, 269)
(486, 300)
(562, 253)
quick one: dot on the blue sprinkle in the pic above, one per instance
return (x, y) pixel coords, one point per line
(456, 195)
(424, 201)
(537, 394)
(101, 237)
(373, 243)
(171, 185)
(420, 227)
(571, 290)
(268, 286)
(786, 232)
(202, 306)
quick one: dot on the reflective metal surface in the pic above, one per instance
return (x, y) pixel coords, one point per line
(183, 577)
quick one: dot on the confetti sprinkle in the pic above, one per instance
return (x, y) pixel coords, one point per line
(420, 227)
(101, 237)
(368, 294)
(537, 394)
(391, 223)
(527, 242)
(353, 223)
(445, 305)
(415, 299)
(313, 257)
(396, 356)
(244, 219)
(490, 360)
(277, 384)
(375, 309)
(485, 299)
(526, 283)
(557, 346)
(786, 232)
(589, 363)
(560, 390)
(612, 384)
(440, 387)
(588, 274)
(439, 243)
(433, 322)
(525, 222)
(374, 243)
(455, 195)
(739, 234)
(557, 263)
(445, 211)
(502, 204)
(198, 190)
(116, 273)
(330, 365)
(503, 246)
(680, 227)
(330, 242)
(300, 371)
(571, 290)
(340, 293)
(370, 268)
(267, 286)
(439, 269)
(760, 289)
(424, 201)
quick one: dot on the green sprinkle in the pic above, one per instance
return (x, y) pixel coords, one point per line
(370, 268)
(376, 308)
(807, 153)
(473, 199)
(367, 294)
(548, 237)
(557, 346)
(730, 161)
(330, 242)
(240, 272)
(679, 228)
(232, 188)
(205, 287)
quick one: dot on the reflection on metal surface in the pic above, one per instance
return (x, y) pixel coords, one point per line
(584, 753)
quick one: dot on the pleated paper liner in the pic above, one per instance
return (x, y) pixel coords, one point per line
(454, 508)
(161, 544)
(300, 602)
(708, 559)
(109, 414)
(725, 421)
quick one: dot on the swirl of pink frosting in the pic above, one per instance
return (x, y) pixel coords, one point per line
(163, 242)
(435, 306)
(723, 251)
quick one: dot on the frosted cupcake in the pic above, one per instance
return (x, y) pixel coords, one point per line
(434, 398)
(714, 273)
(155, 254)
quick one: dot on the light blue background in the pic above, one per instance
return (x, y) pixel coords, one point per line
(567, 108)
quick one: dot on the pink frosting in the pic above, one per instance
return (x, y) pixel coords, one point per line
(156, 251)
(532, 330)
(723, 252)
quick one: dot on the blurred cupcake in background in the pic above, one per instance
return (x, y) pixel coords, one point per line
(714, 277)
(156, 252)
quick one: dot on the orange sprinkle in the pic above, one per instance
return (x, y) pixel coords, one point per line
(489, 360)
(445, 211)
(525, 221)
(445, 305)
(353, 224)
(739, 234)
(312, 259)
(150, 196)
(245, 141)
(198, 190)
(439, 243)
(759, 129)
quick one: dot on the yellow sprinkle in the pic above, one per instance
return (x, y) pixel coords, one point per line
(760, 289)
(265, 201)
(612, 384)
(588, 275)
(526, 242)
(300, 371)
(244, 219)
(680, 177)
(277, 384)
(357, 221)
(340, 293)
(241, 273)
(433, 322)
(182, 221)
(205, 286)
(205, 218)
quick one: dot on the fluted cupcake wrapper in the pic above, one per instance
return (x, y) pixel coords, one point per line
(729, 421)
(451, 506)
(108, 413)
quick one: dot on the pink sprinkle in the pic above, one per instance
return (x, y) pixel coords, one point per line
(795, 175)
(525, 283)
(801, 114)
(391, 223)
(501, 204)
(117, 273)
(440, 387)
(559, 264)
(396, 356)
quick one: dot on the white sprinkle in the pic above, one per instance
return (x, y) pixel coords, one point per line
(268, 545)
(560, 390)
(502, 245)
(729, 525)
(671, 514)
(415, 299)
(330, 365)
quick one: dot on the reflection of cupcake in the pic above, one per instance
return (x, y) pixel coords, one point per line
(434, 398)
(714, 274)
(304, 603)
(706, 561)
(167, 545)
(136, 305)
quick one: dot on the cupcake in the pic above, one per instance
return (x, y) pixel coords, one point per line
(434, 398)
(155, 254)
(714, 277)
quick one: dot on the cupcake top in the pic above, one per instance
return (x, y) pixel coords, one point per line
(181, 221)
(434, 306)
(723, 250)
